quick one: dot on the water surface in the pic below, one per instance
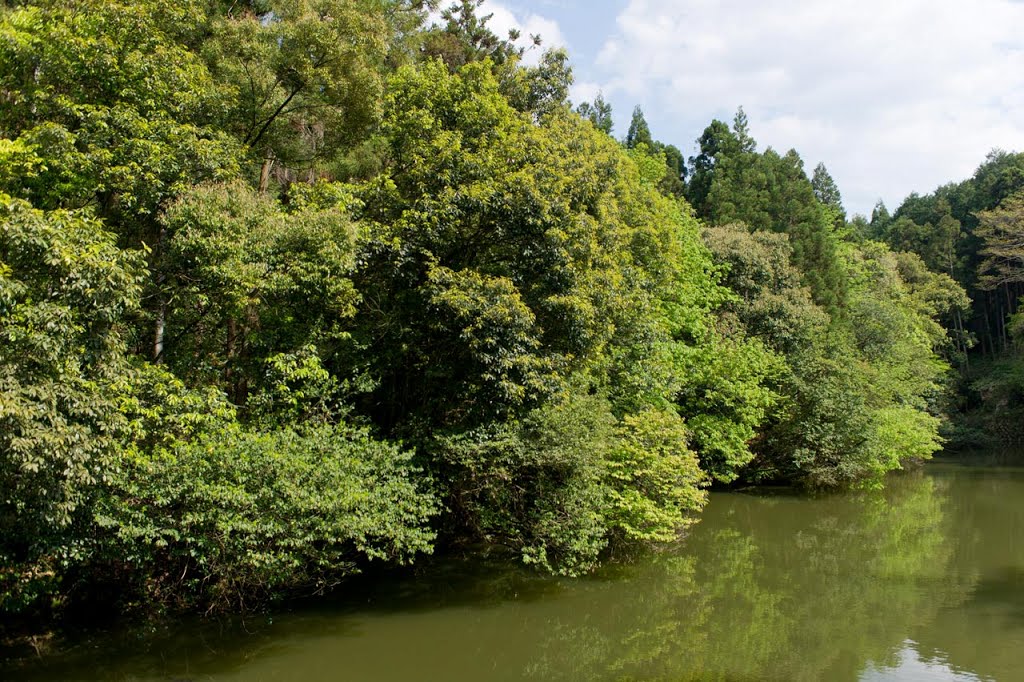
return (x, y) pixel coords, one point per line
(923, 581)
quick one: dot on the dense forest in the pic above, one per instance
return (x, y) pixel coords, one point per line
(289, 288)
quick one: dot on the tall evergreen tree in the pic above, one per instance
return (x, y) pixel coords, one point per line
(639, 132)
(827, 192)
(741, 129)
(716, 142)
(880, 220)
(674, 182)
(731, 182)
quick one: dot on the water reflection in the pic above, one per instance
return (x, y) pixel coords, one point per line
(779, 587)
(910, 666)
(922, 581)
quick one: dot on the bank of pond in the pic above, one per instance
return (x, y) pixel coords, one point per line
(921, 580)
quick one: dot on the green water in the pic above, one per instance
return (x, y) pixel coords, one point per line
(924, 581)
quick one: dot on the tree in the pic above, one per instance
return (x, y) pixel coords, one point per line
(233, 517)
(674, 182)
(855, 391)
(66, 291)
(247, 280)
(880, 220)
(733, 183)
(465, 38)
(1002, 232)
(527, 290)
(540, 90)
(942, 228)
(287, 287)
(771, 301)
(639, 132)
(599, 113)
(300, 81)
(741, 129)
(716, 142)
(116, 110)
(827, 193)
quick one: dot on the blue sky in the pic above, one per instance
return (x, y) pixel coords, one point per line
(893, 96)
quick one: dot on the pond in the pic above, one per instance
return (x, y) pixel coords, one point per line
(921, 581)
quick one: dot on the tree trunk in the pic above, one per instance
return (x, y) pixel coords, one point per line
(230, 344)
(160, 328)
(268, 164)
(961, 340)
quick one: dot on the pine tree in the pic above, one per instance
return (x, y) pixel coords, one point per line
(827, 192)
(639, 132)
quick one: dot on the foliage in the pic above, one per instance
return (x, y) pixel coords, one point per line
(511, 271)
(300, 80)
(654, 478)
(598, 112)
(236, 515)
(827, 193)
(857, 393)
(727, 395)
(639, 132)
(496, 262)
(65, 289)
(116, 110)
(244, 281)
(287, 287)
(536, 485)
(733, 183)
(1000, 230)
(945, 229)
(771, 302)
(465, 37)
(672, 167)
(891, 379)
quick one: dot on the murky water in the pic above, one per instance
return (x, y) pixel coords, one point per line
(924, 581)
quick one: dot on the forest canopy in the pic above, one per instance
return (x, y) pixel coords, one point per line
(293, 288)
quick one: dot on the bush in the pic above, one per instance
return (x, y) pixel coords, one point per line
(238, 515)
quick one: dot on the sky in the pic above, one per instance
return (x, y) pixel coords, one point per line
(893, 96)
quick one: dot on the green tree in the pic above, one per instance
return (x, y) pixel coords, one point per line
(300, 81)
(827, 192)
(65, 293)
(511, 269)
(247, 280)
(731, 182)
(1001, 230)
(114, 109)
(639, 132)
(540, 90)
(858, 393)
(234, 517)
(880, 220)
(464, 38)
(716, 142)
(942, 227)
(599, 112)
(674, 182)
(771, 302)
(741, 129)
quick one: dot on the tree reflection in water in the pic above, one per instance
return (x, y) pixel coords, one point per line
(923, 579)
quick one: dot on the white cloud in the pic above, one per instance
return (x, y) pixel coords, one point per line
(584, 91)
(893, 95)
